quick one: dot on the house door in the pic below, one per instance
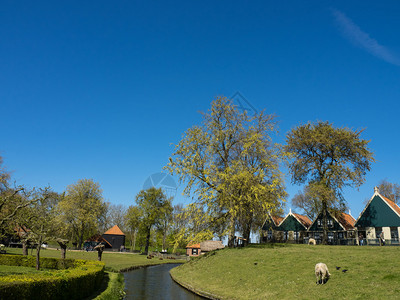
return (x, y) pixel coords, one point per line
(362, 237)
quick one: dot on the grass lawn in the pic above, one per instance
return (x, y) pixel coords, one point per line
(13, 270)
(287, 272)
(114, 261)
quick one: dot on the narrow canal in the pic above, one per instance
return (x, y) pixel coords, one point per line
(154, 282)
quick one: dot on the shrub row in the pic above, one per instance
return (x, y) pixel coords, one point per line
(30, 261)
(77, 282)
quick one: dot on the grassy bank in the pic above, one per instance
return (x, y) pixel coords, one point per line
(287, 272)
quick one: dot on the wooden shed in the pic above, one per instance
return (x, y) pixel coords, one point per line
(203, 247)
(115, 237)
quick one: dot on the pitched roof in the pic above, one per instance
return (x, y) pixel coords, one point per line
(98, 239)
(193, 246)
(303, 220)
(393, 206)
(277, 220)
(346, 220)
(115, 231)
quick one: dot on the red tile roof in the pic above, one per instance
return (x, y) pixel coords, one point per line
(304, 220)
(347, 221)
(277, 220)
(115, 231)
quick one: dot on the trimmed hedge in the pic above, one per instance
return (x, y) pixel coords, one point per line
(30, 261)
(80, 280)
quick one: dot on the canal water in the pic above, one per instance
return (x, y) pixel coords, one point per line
(154, 282)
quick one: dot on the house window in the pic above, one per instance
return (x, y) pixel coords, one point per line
(269, 235)
(340, 235)
(394, 233)
(296, 235)
(330, 223)
(286, 235)
(319, 223)
(316, 235)
(330, 236)
(195, 251)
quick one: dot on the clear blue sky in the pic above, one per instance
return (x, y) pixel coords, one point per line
(100, 89)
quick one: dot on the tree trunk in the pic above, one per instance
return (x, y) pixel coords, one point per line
(63, 246)
(38, 256)
(246, 234)
(324, 222)
(24, 247)
(146, 249)
(163, 239)
(134, 241)
(231, 238)
(99, 254)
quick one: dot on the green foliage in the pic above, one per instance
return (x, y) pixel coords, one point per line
(231, 165)
(323, 154)
(115, 288)
(77, 282)
(154, 209)
(81, 209)
(30, 261)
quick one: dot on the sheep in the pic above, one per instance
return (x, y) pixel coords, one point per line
(312, 241)
(322, 273)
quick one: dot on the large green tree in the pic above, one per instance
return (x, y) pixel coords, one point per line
(327, 159)
(81, 210)
(231, 165)
(154, 207)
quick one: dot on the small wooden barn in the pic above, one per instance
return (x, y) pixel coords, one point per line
(341, 230)
(203, 247)
(115, 237)
(379, 215)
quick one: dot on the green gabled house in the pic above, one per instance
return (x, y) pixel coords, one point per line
(380, 215)
(269, 231)
(341, 230)
(294, 227)
(291, 228)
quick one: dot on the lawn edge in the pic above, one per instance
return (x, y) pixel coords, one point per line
(190, 288)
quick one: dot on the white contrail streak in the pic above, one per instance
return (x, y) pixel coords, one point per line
(362, 39)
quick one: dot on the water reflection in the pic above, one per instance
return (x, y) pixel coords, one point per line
(155, 283)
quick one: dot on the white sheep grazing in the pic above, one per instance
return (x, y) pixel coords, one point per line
(322, 273)
(312, 241)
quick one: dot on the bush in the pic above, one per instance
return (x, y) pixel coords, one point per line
(30, 261)
(77, 282)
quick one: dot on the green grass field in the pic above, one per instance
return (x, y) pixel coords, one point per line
(287, 272)
(114, 261)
